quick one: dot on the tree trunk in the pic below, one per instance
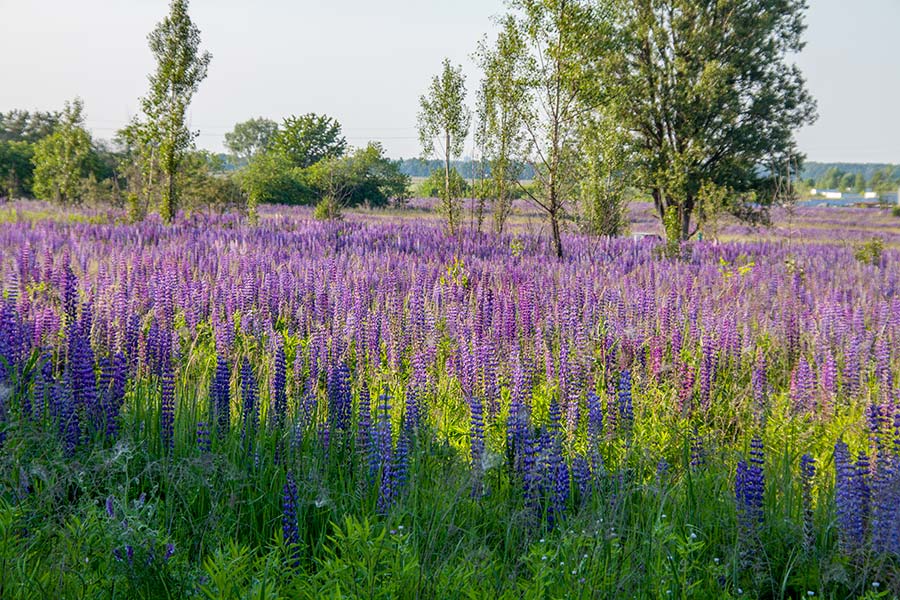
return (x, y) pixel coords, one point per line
(557, 238)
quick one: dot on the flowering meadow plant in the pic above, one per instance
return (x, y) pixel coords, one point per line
(370, 408)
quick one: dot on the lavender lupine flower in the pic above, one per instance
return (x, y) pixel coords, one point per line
(557, 471)
(686, 387)
(885, 482)
(807, 475)
(220, 397)
(698, 452)
(476, 430)
(517, 421)
(625, 406)
(249, 408)
(167, 405)
(289, 512)
(708, 368)
(760, 381)
(279, 384)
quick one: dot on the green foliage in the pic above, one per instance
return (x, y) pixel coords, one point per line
(552, 50)
(328, 209)
(708, 99)
(365, 177)
(305, 140)
(204, 185)
(16, 168)
(24, 126)
(271, 178)
(604, 178)
(61, 159)
(180, 67)
(896, 211)
(443, 124)
(434, 185)
(250, 137)
(870, 252)
(499, 133)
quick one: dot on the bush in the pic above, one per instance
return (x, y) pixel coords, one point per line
(896, 211)
(433, 186)
(870, 252)
(328, 209)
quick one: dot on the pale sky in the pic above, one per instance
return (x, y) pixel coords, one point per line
(365, 62)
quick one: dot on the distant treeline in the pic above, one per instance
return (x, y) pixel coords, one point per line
(469, 169)
(818, 170)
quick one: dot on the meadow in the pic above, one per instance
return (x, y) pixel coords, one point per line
(370, 408)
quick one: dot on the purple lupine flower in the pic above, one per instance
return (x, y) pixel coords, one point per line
(557, 471)
(625, 405)
(885, 486)
(167, 405)
(249, 407)
(340, 402)
(289, 527)
(279, 384)
(220, 397)
(110, 509)
(581, 473)
(385, 451)
(686, 386)
(170, 552)
(802, 387)
(850, 511)
(807, 475)
(708, 368)
(364, 442)
(698, 452)
(760, 381)
(204, 444)
(476, 431)
(749, 488)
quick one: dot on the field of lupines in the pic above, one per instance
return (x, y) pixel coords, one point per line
(366, 409)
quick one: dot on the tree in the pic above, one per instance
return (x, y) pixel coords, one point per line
(62, 159)
(500, 107)
(250, 137)
(604, 175)
(443, 124)
(708, 95)
(23, 126)
(309, 138)
(16, 168)
(558, 82)
(180, 67)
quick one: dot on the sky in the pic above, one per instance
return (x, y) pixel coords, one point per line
(365, 62)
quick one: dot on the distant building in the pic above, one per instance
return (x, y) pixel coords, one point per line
(869, 198)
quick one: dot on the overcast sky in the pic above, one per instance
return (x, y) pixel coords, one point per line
(366, 62)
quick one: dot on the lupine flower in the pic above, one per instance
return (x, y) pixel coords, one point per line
(220, 396)
(807, 475)
(249, 408)
(289, 511)
(278, 386)
(851, 509)
(749, 488)
(626, 406)
(339, 398)
(204, 444)
(167, 406)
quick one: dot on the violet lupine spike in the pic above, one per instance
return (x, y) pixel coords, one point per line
(339, 398)
(279, 387)
(850, 509)
(289, 528)
(220, 397)
(626, 402)
(476, 431)
(749, 487)
(807, 476)
(249, 404)
(204, 444)
(167, 406)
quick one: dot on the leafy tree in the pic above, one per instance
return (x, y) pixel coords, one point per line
(434, 185)
(557, 80)
(443, 124)
(180, 67)
(365, 177)
(604, 175)
(250, 137)
(707, 93)
(847, 181)
(16, 168)
(270, 177)
(309, 138)
(62, 159)
(203, 186)
(24, 126)
(500, 106)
